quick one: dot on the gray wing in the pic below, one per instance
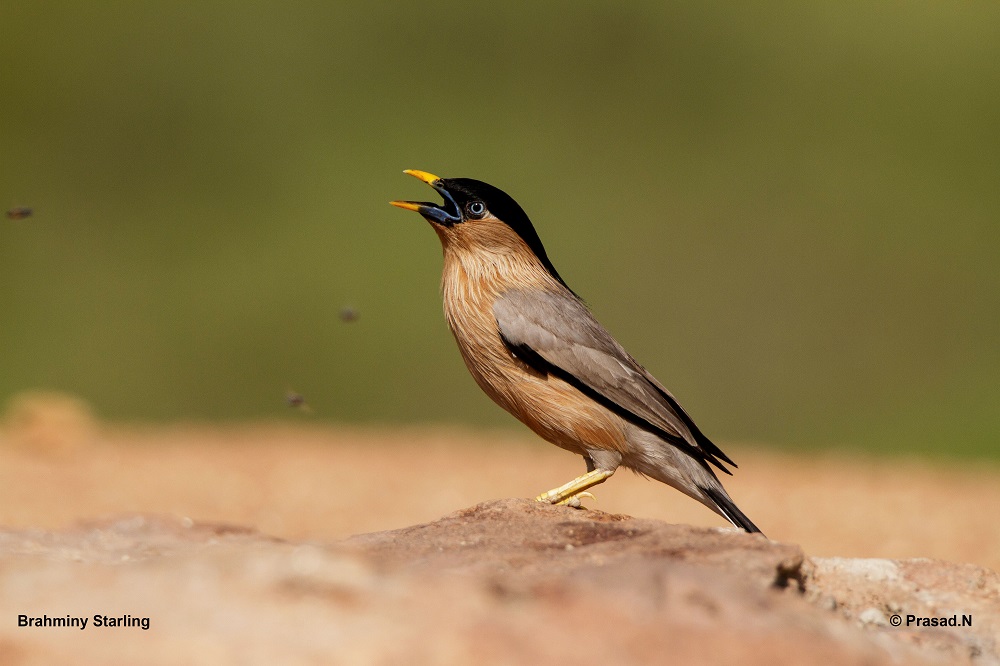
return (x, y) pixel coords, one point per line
(556, 334)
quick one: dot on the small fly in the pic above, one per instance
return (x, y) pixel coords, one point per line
(19, 213)
(296, 401)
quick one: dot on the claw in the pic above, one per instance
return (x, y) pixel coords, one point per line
(576, 500)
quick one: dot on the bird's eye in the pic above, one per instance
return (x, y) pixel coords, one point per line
(476, 209)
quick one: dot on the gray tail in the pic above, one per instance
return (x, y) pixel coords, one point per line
(730, 510)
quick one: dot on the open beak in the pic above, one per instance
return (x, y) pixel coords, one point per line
(447, 214)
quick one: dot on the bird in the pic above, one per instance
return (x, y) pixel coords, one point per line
(534, 347)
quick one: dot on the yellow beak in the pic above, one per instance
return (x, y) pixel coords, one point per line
(428, 178)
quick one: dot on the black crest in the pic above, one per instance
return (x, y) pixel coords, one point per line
(504, 208)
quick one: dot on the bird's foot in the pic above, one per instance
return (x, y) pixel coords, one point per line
(572, 491)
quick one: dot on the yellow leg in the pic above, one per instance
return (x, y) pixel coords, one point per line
(576, 486)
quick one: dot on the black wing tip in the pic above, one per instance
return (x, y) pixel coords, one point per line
(709, 449)
(730, 510)
(717, 452)
(713, 454)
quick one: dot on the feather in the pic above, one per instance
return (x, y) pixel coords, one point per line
(555, 333)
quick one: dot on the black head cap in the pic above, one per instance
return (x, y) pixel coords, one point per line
(502, 206)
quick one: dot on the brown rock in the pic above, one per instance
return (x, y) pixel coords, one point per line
(925, 595)
(526, 538)
(503, 582)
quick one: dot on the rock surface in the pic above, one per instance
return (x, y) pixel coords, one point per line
(503, 582)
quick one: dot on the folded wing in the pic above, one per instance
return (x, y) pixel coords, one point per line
(556, 334)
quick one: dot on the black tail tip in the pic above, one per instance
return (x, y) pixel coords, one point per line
(731, 512)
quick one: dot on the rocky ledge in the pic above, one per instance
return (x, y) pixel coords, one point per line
(502, 582)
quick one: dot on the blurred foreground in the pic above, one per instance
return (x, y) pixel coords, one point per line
(501, 582)
(59, 467)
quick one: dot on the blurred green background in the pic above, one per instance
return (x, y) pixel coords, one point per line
(787, 211)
